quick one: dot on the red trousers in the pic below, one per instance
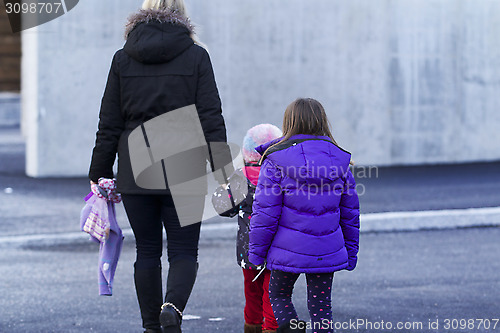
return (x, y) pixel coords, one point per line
(258, 310)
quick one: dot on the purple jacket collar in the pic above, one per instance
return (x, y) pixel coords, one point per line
(262, 148)
(315, 151)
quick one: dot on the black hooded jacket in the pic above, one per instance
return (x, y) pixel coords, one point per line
(160, 69)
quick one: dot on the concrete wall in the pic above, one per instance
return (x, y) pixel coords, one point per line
(403, 82)
(64, 69)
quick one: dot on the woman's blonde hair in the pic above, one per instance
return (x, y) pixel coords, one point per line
(176, 5)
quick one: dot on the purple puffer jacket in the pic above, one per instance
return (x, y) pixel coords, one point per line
(306, 210)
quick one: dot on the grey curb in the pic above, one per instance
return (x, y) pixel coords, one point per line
(374, 222)
(430, 220)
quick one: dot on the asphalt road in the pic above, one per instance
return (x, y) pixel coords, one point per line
(412, 277)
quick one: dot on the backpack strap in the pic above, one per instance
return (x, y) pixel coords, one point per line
(289, 143)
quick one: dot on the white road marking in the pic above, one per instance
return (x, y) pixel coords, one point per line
(190, 317)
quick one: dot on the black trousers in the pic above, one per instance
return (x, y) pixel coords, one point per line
(148, 215)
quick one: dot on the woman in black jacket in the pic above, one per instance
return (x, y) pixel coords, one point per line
(160, 69)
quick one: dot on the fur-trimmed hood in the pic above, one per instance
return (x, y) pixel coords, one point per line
(157, 36)
(161, 16)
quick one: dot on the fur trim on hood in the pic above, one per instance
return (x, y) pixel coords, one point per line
(162, 16)
(255, 137)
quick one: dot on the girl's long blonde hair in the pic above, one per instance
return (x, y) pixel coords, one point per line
(305, 116)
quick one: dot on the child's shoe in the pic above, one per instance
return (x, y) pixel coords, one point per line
(252, 328)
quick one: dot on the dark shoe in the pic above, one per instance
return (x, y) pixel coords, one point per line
(252, 328)
(287, 328)
(170, 319)
(150, 297)
(152, 331)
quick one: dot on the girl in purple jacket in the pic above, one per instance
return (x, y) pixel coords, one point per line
(305, 215)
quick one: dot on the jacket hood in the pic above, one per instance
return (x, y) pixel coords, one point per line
(262, 148)
(157, 36)
(312, 161)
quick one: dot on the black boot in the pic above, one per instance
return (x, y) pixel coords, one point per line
(148, 286)
(180, 282)
(170, 319)
(287, 328)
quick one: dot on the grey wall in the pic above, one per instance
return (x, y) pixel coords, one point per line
(403, 82)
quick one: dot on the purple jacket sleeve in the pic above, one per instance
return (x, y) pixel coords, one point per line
(349, 219)
(109, 254)
(266, 211)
